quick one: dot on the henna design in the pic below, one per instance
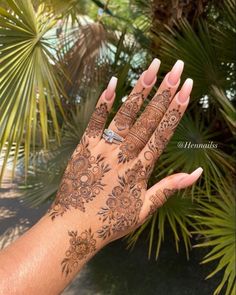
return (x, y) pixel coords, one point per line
(97, 121)
(144, 127)
(163, 133)
(171, 119)
(82, 181)
(157, 199)
(127, 113)
(124, 203)
(80, 247)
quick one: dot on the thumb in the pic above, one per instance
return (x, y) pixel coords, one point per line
(159, 193)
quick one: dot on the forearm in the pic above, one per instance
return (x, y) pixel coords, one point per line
(42, 261)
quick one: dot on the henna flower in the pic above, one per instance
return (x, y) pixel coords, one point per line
(82, 181)
(80, 247)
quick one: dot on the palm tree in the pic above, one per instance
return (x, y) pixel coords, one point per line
(50, 58)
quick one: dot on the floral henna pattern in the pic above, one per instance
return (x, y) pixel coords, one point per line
(124, 203)
(97, 121)
(80, 247)
(144, 127)
(162, 135)
(127, 114)
(157, 199)
(82, 181)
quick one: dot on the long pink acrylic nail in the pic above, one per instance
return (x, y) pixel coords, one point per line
(184, 93)
(110, 91)
(191, 178)
(149, 76)
(175, 73)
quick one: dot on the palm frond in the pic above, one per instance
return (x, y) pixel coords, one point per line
(30, 83)
(195, 145)
(215, 222)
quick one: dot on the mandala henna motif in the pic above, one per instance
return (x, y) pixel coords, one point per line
(127, 114)
(97, 121)
(124, 203)
(144, 127)
(157, 199)
(163, 133)
(82, 181)
(171, 119)
(80, 247)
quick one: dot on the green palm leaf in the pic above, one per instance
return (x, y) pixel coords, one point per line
(208, 53)
(216, 223)
(30, 86)
(206, 152)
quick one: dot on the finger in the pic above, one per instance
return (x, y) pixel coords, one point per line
(167, 125)
(158, 194)
(127, 113)
(144, 127)
(98, 119)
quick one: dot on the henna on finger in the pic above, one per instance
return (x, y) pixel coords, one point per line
(126, 115)
(97, 121)
(144, 127)
(159, 198)
(129, 110)
(162, 134)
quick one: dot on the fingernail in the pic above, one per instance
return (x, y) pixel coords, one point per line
(110, 91)
(190, 178)
(175, 73)
(148, 77)
(197, 173)
(184, 93)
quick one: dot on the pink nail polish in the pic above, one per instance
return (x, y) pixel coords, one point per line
(190, 178)
(175, 73)
(148, 77)
(110, 91)
(184, 93)
(197, 173)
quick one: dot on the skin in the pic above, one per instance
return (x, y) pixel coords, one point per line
(103, 194)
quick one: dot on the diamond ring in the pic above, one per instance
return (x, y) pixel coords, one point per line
(112, 137)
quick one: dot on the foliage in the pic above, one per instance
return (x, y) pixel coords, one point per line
(57, 56)
(30, 86)
(218, 232)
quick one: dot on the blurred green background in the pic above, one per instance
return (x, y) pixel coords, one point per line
(55, 59)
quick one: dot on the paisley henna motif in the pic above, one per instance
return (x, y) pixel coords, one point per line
(128, 111)
(97, 121)
(159, 198)
(124, 203)
(80, 247)
(82, 181)
(144, 127)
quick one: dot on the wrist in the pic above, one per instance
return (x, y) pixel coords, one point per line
(80, 232)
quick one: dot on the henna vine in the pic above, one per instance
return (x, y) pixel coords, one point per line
(124, 203)
(158, 199)
(97, 121)
(82, 181)
(163, 133)
(80, 247)
(144, 127)
(129, 110)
